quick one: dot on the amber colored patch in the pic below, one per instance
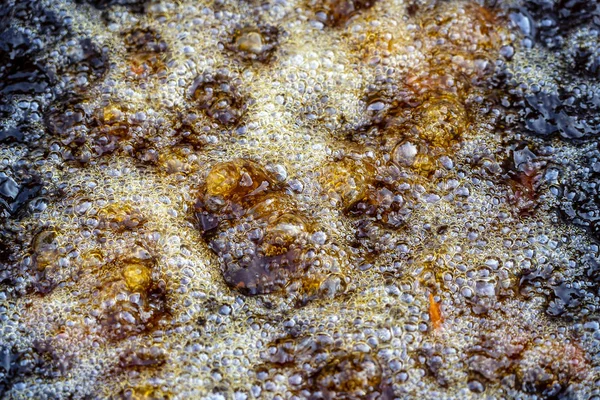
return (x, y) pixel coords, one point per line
(137, 277)
(435, 313)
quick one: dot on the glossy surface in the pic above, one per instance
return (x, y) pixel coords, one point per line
(299, 199)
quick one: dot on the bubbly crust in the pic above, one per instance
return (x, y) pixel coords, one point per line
(336, 199)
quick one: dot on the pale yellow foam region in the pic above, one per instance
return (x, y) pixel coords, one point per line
(281, 90)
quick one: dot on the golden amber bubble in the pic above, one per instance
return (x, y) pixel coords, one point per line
(223, 179)
(237, 179)
(121, 216)
(112, 114)
(282, 233)
(138, 277)
(346, 181)
(251, 42)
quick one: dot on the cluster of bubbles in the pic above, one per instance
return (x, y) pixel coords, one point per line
(264, 243)
(325, 199)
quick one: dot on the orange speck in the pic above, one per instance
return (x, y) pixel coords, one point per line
(137, 69)
(435, 313)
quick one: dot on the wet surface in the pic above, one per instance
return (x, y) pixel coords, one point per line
(299, 199)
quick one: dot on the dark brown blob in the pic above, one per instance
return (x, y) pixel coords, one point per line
(142, 358)
(296, 350)
(547, 369)
(439, 118)
(69, 121)
(524, 175)
(337, 13)
(354, 185)
(145, 40)
(132, 301)
(266, 274)
(219, 99)
(416, 126)
(124, 319)
(114, 123)
(91, 61)
(272, 249)
(492, 359)
(146, 52)
(354, 376)
(412, 8)
(66, 116)
(230, 190)
(328, 372)
(278, 257)
(385, 206)
(238, 179)
(136, 6)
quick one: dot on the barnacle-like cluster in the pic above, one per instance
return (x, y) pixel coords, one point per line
(299, 199)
